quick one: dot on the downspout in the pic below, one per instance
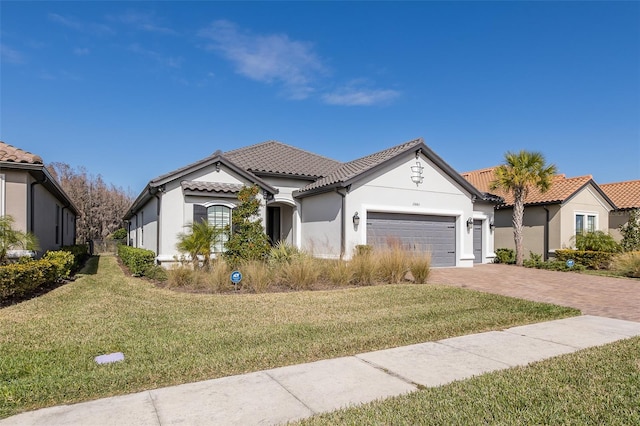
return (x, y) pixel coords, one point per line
(62, 225)
(158, 234)
(342, 223)
(546, 234)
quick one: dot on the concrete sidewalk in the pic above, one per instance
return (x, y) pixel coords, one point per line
(299, 391)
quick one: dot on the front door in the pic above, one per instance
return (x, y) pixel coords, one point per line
(273, 224)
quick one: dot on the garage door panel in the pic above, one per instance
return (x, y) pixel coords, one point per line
(435, 234)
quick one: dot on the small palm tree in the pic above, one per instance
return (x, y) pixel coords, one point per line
(11, 239)
(199, 241)
(520, 172)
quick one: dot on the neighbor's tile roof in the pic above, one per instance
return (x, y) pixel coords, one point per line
(561, 188)
(625, 195)
(278, 158)
(352, 169)
(193, 185)
(12, 154)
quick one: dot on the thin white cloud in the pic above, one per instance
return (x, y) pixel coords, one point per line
(142, 21)
(168, 61)
(270, 58)
(10, 55)
(355, 95)
(81, 51)
(84, 27)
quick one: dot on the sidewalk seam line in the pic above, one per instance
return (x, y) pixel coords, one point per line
(388, 372)
(291, 393)
(155, 409)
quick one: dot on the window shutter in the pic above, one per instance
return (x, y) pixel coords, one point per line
(199, 213)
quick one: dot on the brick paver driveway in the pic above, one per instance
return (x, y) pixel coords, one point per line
(593, 295)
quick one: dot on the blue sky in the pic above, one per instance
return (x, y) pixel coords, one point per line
(132, 90)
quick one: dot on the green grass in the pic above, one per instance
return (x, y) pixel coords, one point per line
(49, 343)
(596, 386)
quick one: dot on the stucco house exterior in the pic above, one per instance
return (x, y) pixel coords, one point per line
(551, 219)
(34, 199)
(406, 193)
(626, 196)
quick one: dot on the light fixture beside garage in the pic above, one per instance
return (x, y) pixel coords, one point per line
(356, 219)
(470, 223)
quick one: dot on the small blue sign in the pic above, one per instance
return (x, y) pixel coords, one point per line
(236, 277)
(570, 263)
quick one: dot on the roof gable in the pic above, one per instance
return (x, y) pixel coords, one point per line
(357, 169)
(625, 195)
(561, 189)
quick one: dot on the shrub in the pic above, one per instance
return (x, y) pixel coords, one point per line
(338, 272)
(299, 274)
(248, 240)
(80, 254)
(589, 259)
(363, 249)
(156, 272)
(19, 279)
(505, 255)
(283, 252)
(219, 276)
(420, 267)
(138, 260)
(631, 232)
(256, 276)
(533, 261)
(181, 276)
(392, 264)
(63, 262)
(628, 264)
(119, 234)
(364, 269)
(596, 241)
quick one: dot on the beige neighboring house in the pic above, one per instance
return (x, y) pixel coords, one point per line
(626, 196)
(34, 199)
(405, 193)
(551, 219)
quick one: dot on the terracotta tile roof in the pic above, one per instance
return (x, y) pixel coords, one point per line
(193, 185)
(561, 188)
(12, 154)
(278, 158)
(352, 169)
(625, 195)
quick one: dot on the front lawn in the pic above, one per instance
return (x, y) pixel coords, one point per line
(49, 343)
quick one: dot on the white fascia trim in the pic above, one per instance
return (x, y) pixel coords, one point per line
(2, 194)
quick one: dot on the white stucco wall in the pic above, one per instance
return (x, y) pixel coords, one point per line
(391, 190)
(321, 217)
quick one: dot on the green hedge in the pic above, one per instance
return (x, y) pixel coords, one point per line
(19, 279)
(136, 259)
(589, 259)
(80, 254)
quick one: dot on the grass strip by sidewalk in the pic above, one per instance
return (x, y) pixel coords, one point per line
(595, 386)
(49, 343)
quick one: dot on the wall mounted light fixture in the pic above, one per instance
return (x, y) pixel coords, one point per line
(470, 223)
(356, 219)
(491, 225)
(416, 173)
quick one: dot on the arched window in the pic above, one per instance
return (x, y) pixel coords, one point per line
(220, 217)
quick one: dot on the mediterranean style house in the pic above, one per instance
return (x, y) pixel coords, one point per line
(34, 199)
(626, 196)
(551, 219)
(405, 194)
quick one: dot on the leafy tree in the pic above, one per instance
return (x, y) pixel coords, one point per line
(11, 239)
(248, 240)
(520, 172)
(199, 241)
(631, 232)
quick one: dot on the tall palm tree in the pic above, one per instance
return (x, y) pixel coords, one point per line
(520, 172)
(199, 241)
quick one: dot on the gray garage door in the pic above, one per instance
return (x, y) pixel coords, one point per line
(436, 234)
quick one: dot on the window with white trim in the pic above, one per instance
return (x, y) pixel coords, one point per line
(585, 222)
(217, 215)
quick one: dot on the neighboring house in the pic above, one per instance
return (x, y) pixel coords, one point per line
(405, 193)
(34, 199)
(551, 219)
(626, 197)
